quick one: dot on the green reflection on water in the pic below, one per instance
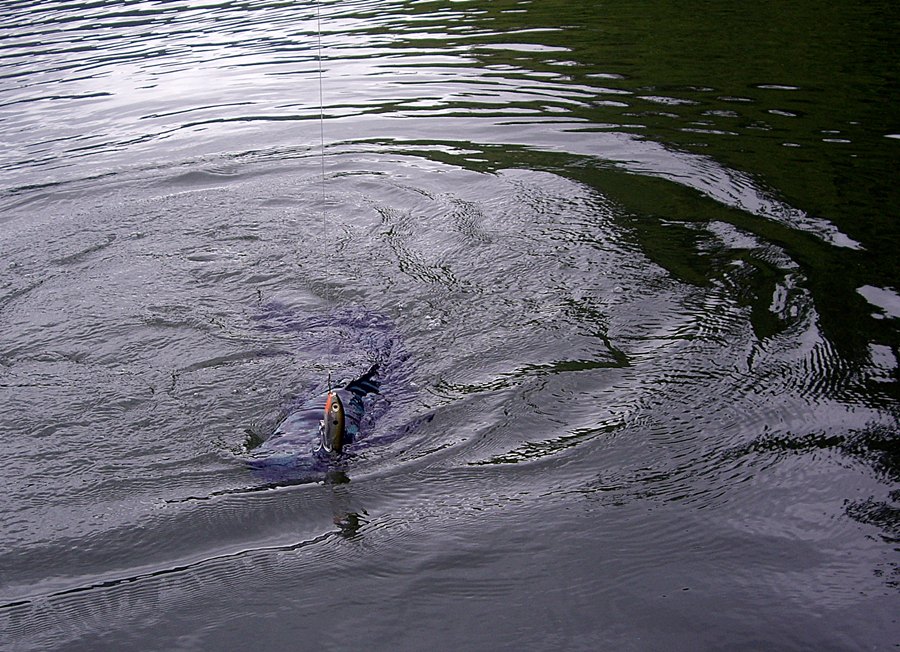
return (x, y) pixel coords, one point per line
(797, 95)
(770, 88)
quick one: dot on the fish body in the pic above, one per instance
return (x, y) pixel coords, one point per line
(318, 430)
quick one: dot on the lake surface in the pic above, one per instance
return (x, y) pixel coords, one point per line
(634, 266)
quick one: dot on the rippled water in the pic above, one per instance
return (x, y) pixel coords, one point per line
(635, 272)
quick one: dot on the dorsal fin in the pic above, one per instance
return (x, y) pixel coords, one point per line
(368, 383)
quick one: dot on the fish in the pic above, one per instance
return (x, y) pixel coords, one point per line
(317, 432)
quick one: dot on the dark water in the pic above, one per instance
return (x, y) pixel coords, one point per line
(641, 259)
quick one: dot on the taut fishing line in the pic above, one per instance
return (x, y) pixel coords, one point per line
(325, 257)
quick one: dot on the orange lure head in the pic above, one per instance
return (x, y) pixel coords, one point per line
(333, 428)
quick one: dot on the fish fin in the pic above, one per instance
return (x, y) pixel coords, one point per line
(368, 383)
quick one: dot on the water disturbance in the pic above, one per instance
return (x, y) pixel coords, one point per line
(630, 272)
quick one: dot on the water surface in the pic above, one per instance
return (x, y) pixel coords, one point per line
(641, 264)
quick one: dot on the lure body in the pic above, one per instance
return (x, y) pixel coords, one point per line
(333, 424)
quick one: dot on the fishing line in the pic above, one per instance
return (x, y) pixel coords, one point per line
(321, 99)
(325, 256)
(322, 140)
